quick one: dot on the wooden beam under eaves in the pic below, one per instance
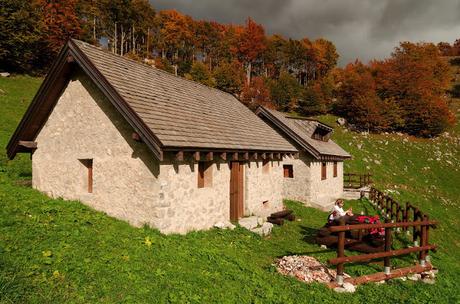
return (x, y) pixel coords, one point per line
(135, 136)
(235, 156)
(246, 155)
(28, 144)
(209, 156)
(180, 156)
(223, 155)
(264, 155)
(254, 156)
(196, 156)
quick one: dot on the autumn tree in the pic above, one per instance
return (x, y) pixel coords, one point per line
(357, 97)
(251, 44)
(229, 77)
(285, 91)
(20, 36)
(417, 78)
(256, 94)
(199, 72)
(60, 22)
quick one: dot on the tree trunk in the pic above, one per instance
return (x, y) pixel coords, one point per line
(115, 40)
(122, 41)
(248, 73)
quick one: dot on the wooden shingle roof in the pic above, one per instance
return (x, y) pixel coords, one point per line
(301, 130)
(167, 111)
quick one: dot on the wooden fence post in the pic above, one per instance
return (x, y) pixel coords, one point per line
(427, 238)
(415, 231)
(340, 253)
(422, 254)
(386, 260)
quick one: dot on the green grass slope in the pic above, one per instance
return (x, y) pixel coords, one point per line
(56, 251)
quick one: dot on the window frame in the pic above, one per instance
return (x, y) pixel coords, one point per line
(323, 170)
(288, 171)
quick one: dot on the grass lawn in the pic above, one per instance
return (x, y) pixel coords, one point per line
(55, 251)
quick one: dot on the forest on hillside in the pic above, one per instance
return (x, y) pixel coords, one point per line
(407, 92)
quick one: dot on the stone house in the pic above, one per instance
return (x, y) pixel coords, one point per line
(148, 147)
(316, 176)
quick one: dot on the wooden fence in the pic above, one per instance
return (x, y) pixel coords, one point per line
(356, 180)
(396, 217)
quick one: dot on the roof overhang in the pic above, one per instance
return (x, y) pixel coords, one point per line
(51, 89)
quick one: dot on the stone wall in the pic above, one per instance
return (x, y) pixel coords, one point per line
(325, 192)
(128, 183)
(306, 185)
(264, 190)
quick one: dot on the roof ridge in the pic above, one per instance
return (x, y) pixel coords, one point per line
(154, 68)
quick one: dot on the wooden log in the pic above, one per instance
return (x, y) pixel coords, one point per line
(275, 221)
(281, 214)
(290, 217)
(264, 155)
(380, 276)
(378, 255)
(254, 156)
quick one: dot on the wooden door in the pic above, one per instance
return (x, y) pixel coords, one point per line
(236, 190)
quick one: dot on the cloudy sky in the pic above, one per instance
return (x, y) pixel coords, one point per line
(363, 29)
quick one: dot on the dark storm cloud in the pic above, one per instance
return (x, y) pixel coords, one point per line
(363, 29)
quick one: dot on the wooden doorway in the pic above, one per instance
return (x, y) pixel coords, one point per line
(236, 190)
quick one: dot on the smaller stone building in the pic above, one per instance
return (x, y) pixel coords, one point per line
(316, 177)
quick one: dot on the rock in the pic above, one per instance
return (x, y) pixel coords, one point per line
(323, 247)
(341, 121)
(359, 146)
(346, 287)
(260, 221)
(224, 225)
(428, 281)
(249, 222)
(402, 279)
(414, 277)
(349, 287)
(380, 282)
(5, 74)
(266, 229)
(377, 162)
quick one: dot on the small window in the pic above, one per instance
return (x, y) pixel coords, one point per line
(204, 174)
(288, 171)
(323, 171)
(265, 166)
(335, 169)
(88, 163)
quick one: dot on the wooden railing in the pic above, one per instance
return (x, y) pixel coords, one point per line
(387, 254)
(396, 217)
(393, 211)
(356, 180)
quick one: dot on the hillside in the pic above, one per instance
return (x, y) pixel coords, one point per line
(55, 251)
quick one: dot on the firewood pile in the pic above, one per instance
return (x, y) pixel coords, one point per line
(306, 269)
(278, 218)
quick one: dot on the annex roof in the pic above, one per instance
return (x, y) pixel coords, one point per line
(301, 131)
